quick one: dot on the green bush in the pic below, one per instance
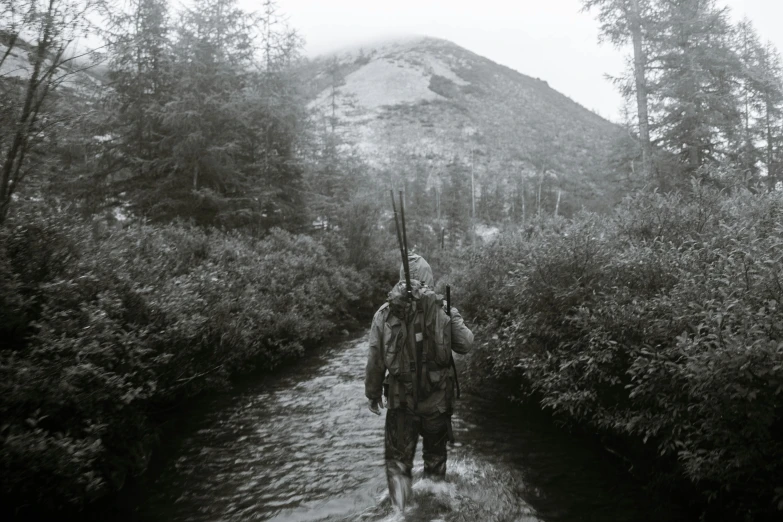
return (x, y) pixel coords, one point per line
(662, 325)
(108, 325)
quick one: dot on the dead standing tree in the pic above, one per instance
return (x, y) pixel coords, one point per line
(541, 155)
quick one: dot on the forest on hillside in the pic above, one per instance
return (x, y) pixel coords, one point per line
(174, 213)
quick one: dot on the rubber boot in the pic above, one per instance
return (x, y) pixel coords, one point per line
(400, 487)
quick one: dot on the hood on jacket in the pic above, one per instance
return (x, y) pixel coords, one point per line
(420, 270)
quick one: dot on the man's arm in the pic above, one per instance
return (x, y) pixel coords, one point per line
(376, 367)
(461, 336)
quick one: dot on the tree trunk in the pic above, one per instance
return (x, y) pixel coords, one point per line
(523, 201)
(639, 60)
(472, 189)
(538, 196)
(768, 125)
(15, 154)
(513, 206)
(333, 71)
(693, 155)
(691, 140)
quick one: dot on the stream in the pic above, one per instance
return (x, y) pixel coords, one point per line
(302, 446)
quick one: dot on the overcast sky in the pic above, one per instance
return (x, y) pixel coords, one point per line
(548, 39)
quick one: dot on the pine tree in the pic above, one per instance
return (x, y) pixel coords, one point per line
(330, 162)
(141, 76)
(769, 84)
(273, 133)
(694, 102)
(214, 56)
(624, 21)
(746, 152)
(216, 136)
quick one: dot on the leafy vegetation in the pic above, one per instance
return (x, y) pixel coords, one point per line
(660, 326)
(153, 265)
(105, 326)
(706, 92)
(193, 163)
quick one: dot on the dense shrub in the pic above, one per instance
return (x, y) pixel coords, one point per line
(106, 325)
(663, 325)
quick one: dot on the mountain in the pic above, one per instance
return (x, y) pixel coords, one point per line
(434, 118)
(428, 103)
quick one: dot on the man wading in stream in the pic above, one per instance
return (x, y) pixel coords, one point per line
(413, 338)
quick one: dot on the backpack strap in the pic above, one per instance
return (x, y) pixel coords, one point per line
(384, 309)
(419, 337)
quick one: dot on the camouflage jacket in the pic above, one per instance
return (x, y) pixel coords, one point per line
(391, 360)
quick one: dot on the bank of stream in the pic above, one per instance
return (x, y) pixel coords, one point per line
(301, 446)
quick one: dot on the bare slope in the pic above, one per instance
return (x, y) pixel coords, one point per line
(429, 100)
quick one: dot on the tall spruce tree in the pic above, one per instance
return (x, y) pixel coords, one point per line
(142, 80)
(214, 57)
(694, 101)
(209, 114)
(281, 119)
(769, 83)
(747, 153)
(705, 91)
(631, 21)
(330, 174)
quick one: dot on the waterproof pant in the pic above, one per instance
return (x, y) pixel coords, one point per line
(403, 428)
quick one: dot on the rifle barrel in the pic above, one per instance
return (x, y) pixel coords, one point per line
(451, 362)
(405, 265)
(403, 248)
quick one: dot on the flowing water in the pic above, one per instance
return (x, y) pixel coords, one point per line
(302, 446)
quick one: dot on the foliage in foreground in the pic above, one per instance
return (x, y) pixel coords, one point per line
(662, 326)
(104, 328)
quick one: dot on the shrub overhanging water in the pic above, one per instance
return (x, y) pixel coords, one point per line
(662, 326)
(102, 327)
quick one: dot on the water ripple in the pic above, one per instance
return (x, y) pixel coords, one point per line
(302, 447)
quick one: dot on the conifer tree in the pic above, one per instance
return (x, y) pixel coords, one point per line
(279, 129)
(624, 21)
(769, 83)
(207, 114)
(141, 77)
(694, 100)
(748, 148)
(329, 158)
